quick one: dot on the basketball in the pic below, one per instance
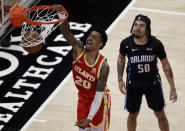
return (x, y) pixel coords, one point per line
(28, 39)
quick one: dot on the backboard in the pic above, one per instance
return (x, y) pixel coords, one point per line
(5, 5)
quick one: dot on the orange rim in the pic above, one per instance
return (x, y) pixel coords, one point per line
(19, 14)
(41, 8)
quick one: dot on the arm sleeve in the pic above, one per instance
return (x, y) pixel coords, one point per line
(95, 104)
(122, 49)
(161, 53)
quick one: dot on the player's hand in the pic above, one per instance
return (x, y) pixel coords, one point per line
(83, 123)
(58, 7)
(122, 86)
(173, 96)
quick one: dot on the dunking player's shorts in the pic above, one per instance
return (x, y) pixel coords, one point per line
(103, 114)
(152, 89)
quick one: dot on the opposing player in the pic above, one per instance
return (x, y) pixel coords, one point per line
(90, 73)
(142, 50)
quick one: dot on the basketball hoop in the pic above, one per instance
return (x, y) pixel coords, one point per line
(44, 14)
(41, 19)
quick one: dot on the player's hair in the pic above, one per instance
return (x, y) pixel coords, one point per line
(144, 19)
(103, 34)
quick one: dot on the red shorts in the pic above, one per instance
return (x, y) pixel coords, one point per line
(103, 114)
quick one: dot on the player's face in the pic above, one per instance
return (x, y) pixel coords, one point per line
(139, 29)
(93, 41)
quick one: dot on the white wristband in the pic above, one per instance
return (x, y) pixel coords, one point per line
(95, 104)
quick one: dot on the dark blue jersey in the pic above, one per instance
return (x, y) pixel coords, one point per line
(142, 59)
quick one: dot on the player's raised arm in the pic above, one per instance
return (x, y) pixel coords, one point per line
(66, 32)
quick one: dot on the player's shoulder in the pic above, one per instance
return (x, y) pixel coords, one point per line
(103, 59)
(155, 40)
(105, 66)
(127, 40)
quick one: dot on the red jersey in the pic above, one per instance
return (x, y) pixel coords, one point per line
(85, 78)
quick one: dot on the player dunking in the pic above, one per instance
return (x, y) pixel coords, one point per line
(90, 73)
(142, 50)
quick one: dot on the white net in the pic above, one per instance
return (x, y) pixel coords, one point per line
(45, 15)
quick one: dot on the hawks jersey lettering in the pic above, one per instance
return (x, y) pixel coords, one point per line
(85, 78)
(142, 59)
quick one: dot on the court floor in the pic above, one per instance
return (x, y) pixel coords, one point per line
(168, 21)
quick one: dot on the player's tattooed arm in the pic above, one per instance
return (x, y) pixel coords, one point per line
(169, 75)
(66, 32)
(168, 72)
(120, 66)
(104, 72)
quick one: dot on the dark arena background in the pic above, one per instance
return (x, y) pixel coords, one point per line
(27, 80)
